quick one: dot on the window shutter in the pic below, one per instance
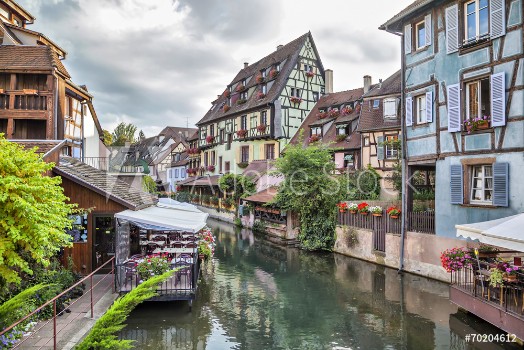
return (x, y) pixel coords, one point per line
(427, 26)
(261, 152)
(429, 106)
(238, 157)
(407, 39)
(380, 147)
(497, 18)
(409, 111)
(452, 29)
(456, 184)
(498, 99)
(454, 108)
(251, 153)
(500, 184)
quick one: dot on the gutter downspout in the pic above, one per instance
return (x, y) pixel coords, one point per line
(82, 107)
(56, 105)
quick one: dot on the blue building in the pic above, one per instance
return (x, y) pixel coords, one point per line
(463, 105)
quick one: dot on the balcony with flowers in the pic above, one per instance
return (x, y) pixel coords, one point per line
(210, 139)
(241, 133)
(295, 100)
(262, 128)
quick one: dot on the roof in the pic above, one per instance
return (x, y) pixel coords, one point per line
(263, 196)
(193, 137)
(102, 183)
(45, 40)
(201, 181)
(373, 119)
(336, 99)
(42, 146)
(287, 56)
(21, 11)
(395, 22)
(17, 58)
(184, 160)
(257, 168)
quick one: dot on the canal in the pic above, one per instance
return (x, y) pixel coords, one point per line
(256, 295)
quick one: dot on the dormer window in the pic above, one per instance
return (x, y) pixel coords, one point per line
(263, 89)
(244, 82)
(390, 108)
(263, 73)
(243, 95)
(295, 92)
(316, 130)
(277, 67)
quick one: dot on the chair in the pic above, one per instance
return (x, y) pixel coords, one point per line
(174, 236)
(130, 271)
(191, 245)
(176, 245)
(136, 257)
(185, 258)
(159, 239)
(185, 270)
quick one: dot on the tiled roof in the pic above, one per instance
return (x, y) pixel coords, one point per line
(42, 146)
(373, 119)
(263, 196)
(393, 23)
(287, 56)
(193, 137)
(99, 181)
(184, 160)
(43, 37)
(15, 58)
(332, 100)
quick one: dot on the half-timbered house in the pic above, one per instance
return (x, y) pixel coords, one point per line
(463, 95)
(262, 108)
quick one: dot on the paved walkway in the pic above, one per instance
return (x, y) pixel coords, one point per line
(72, 327)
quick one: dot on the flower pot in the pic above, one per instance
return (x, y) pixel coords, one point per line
(364, 213)
(353, 211)
(511, 278)
(482, 125)
(377, 214)
(394, 216)
(341, 210)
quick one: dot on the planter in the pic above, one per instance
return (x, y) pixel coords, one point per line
(376, 214)
(341, 210)
(364, 213)
(394, 216)
(511, 278)
(353, 211)
(488, 254)
(483, 125)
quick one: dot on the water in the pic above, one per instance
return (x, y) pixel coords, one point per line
(256, 295)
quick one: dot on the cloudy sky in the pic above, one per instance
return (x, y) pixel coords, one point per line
(161, 62)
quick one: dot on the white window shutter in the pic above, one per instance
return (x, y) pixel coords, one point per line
(454, 121)
(456, 184)
(407, 39)
(429, 106)
(498, 99)
(409, 111)
(452, 29)
(428, 27)
(500, 184)
(497, 18)
(380, 147)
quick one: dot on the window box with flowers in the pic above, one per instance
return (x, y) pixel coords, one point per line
(227, 93)
(342, 207)
(241, 101)
(262, 128)
(242, 165)
(260, 78)
(273, 73)
(310, 74)
(353, 208)
(376, 210)
(260, 95)
(322, 115)
(211, 168)
(240, 87)
(242, 133)
(346, 111)
(393, 212)
(295, 100)
(226, 108)
(334, 113)
(314, 138)
(341, 137)
(363, 208)
(210, 139)
(477, 123)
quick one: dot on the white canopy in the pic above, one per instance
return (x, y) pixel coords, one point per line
(173, 216)
(507, 232)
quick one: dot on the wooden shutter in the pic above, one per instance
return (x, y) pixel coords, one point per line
(452, 29)
(498, 99)
(238, 154)
(409, 111)
(454, 108)
(428, 28)
(407, 39)
(497, 18)
(380, 147)
(429, 106)
(456, 184)
(261, 152)
(251, 153)
(500, 184)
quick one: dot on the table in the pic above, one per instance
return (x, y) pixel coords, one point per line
(160, 243)
(175, 251)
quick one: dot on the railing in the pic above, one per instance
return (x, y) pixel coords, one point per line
(101, 163)
(474, 280)
(423, 222)
(54, 300)
(23, 101)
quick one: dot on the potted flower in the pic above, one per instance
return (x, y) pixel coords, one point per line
(363, 208)
(240, 87)
(242, 165)
(454, 259)
(393, 212)
(152, 266)
(333, 113)
(204, 251)
(322, 115)
(206, 243)
(477, 123)
(295, 99)
(214, 200)
(511, 273)
(211, 168)
(342, 207)
(341, 137)
(314, 138)
(260, 78)
(273, 73)
(226, 108)
(242, 133)
(310, 74)
(260, 95)
(210, 139)
(353, 208)
(241, 101)
(496, 277)
(346, 111)
(262, 128)
(376, 210)
(227, 93)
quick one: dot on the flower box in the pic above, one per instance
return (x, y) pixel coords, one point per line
(346, 111)
(273, 73)
(30, 91)
(210, 139)
(260, 78)
(393, 212)
(242, 133)
(241, 101)
(240, 87)
(260, 95)
(322, 115)
(295, 100)
(333, 113)
(342, 207)
(363, 208)
(226, 108)
(314, 138)
(242, 165)
(477, 123)
(211, 168)
(262, 128)
(310, 74)
(341, 137)
(227, 93)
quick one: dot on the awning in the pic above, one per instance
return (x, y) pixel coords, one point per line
(167, 217)
(506, 232)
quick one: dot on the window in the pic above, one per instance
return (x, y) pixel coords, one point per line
(391, 147)
(253, 122)
(243, 122)
(341, 130)
(222, 133)
(212, 130)
(420, 35)
(316, 130)
(243, 95)
(244, 154)
(227, 167)
(277, 67)
(477, 99)
(213, 158)
(263, 73)
(263, 89)
(420, 109)
(366, 140)
(270, 151)
(376, 103)
(315, 96)
(308, 68)
(229, 140)
(295, 92)
(390, 108)
(220, 164)
(348, 160)
(482, 184)
(244, 82)
(263, 118)
(206, 157)
(476, 20)
(183, 173)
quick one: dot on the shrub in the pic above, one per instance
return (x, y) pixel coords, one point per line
(238, 222)
(152, 266)
(259, 226)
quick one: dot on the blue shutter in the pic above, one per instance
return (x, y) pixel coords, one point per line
(454, 122)
(498, 99)
(429, 106)
(497, 18)
(452, 29)
(500, 184)
(456, 184)
(409, 111)
(380, 147)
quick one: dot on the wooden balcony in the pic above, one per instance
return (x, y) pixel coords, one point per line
(25, 104)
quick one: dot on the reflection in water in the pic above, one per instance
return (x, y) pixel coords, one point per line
(255, 295)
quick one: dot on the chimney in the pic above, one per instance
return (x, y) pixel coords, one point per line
(279, 47)
(367, 83)
(246, 64)
(329, 81)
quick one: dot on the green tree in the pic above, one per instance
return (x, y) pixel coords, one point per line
(108, 138)
(124, 133)
(149, 185)
(309, 190)
(237, 186)
(33, 212)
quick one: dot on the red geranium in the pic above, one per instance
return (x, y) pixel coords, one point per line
(393, 211)
(363, 207)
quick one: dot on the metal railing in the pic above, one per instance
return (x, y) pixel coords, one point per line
(54, 301)
(101, 163)
(423, 222)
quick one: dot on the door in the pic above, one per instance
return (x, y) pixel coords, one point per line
(104, 240)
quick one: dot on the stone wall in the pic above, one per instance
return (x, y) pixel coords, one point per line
(421, 251)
